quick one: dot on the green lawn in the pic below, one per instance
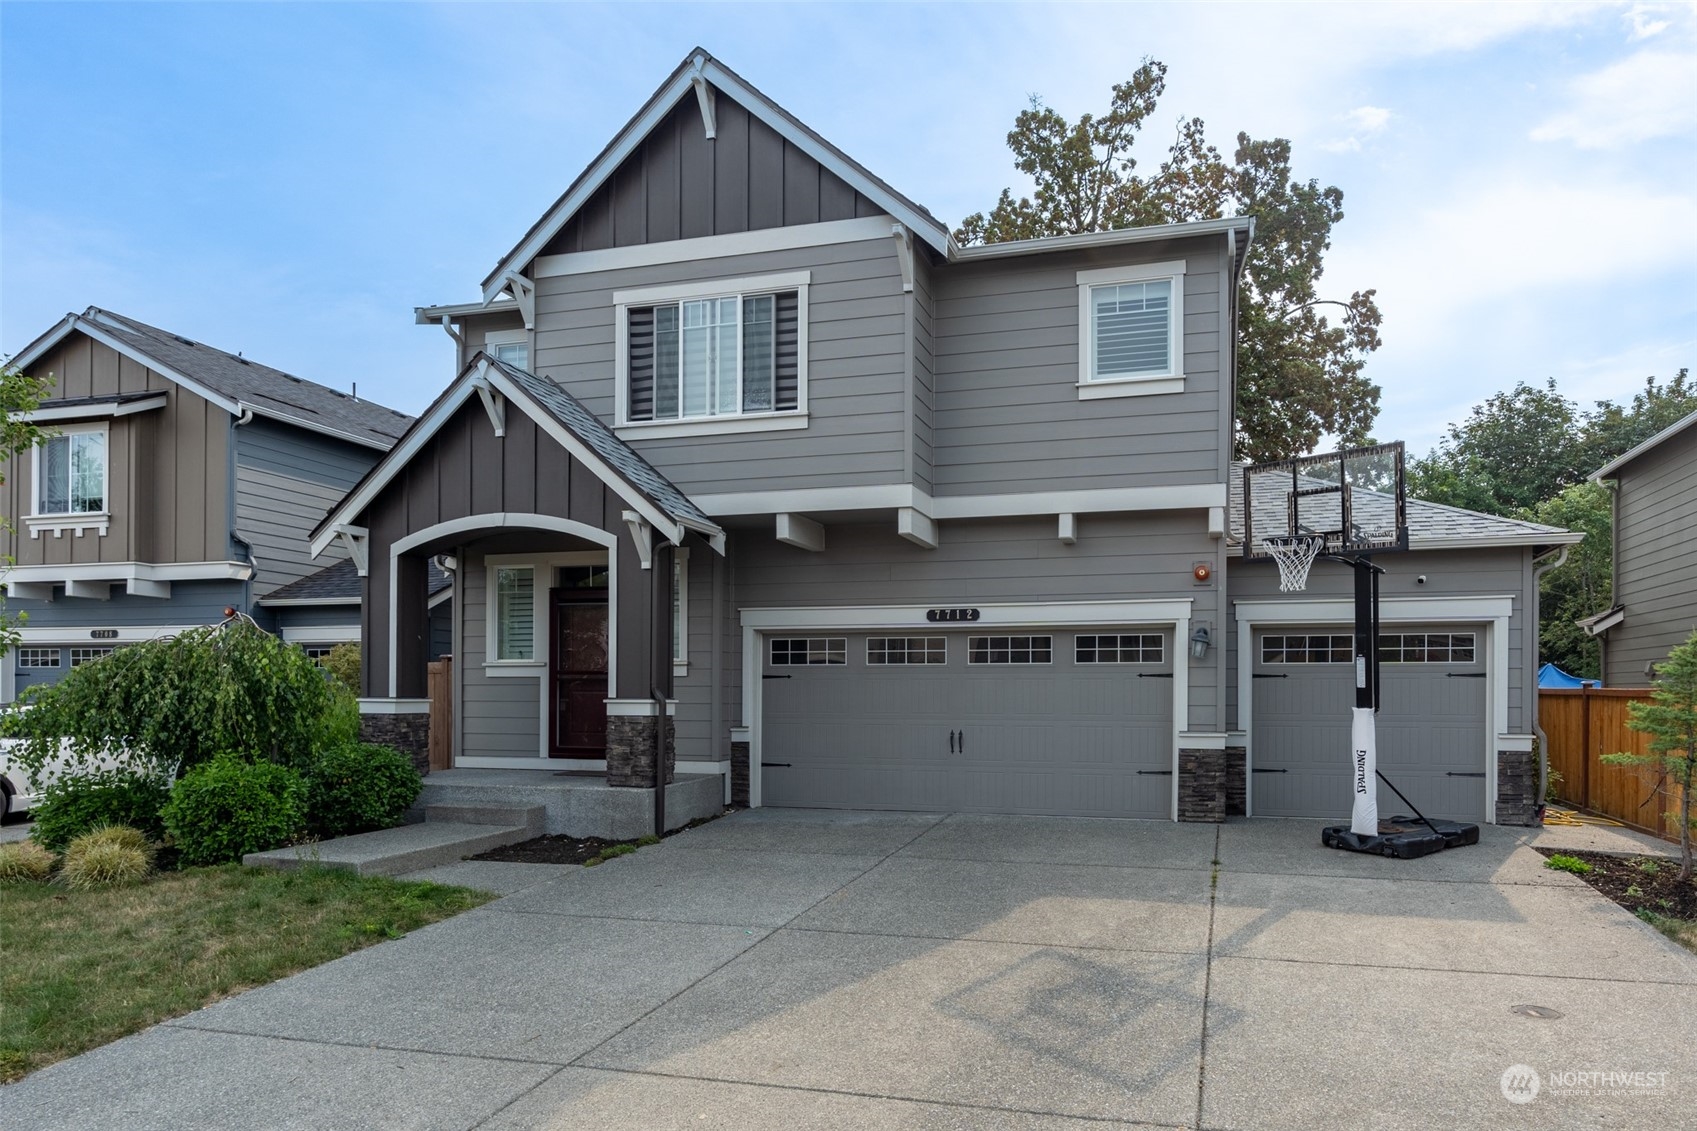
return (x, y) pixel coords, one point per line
(79, 969)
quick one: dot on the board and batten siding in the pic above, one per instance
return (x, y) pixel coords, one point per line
(856, 376)
(679, 185)
(168, 469)
(1449, 573)
(1116, 558)
(1655, 567)
(1008, 414)
(287, 479)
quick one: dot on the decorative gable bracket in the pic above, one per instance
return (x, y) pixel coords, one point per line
(704, 97)
(356, 540)
(523, 292)
(494, 402)
(904, 253)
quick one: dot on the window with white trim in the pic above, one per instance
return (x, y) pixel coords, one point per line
(1120, 648)
(81, 656)
(881, 650)
(720, 351)
(809, 651)
(515, 612)
(1131, 323)
(317, 653)
(70, 471)
(38, 657)
(510, 346)
(1428, 648)
(1009, 649)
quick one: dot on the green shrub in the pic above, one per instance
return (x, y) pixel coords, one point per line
(172, 704)
(77, 803)
(227, 808)
(1563, 863)
(96, 860)
(24, 860)
(359, 787)
(343, 663)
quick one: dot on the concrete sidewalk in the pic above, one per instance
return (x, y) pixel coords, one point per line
(782, 969)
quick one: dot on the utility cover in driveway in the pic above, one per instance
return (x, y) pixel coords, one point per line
(1431, 725)
(1027, 729)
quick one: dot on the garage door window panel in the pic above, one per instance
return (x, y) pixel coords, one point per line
(1428, 648)
(1307, 649)
(884, 650)
(811, 651)
(1010, 649)
(1132, 648)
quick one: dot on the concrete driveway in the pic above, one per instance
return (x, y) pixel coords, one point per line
(791, 969)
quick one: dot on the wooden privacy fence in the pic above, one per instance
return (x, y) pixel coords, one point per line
(1586, 723)
(441, 684)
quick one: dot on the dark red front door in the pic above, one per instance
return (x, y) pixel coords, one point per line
(579, 673)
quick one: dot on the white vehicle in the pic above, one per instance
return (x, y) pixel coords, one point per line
(19, 792)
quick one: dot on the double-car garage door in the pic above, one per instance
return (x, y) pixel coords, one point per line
(1046, 722)
(1431, 722)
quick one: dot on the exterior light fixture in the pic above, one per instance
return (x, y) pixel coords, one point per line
(1200, 638)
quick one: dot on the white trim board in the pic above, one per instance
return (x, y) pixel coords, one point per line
(97, 410)
(321, 634)
(895, 496)
(130, 571)
(757, 623)
(829, 233)
(62, 635)
(1492, 612)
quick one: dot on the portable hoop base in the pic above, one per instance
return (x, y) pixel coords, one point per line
(1405, 838)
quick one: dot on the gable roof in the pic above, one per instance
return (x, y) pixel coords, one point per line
(229, 380)
(1431, 526)
(564, 418)
(1657, 440)
(679, 85)
(339, 584)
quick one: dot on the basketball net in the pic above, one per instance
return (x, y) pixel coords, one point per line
(1295, 554)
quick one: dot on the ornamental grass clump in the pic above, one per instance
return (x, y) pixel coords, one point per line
(24, 861)
(106, 858)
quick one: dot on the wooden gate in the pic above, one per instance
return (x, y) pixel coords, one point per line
(441, 684)
(1583, 724)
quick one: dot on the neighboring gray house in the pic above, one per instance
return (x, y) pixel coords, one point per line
(1655, 571)
(179, 481)
(937, 527)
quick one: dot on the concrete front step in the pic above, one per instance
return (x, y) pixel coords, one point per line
(389, 852)
(575, 805)
(530, 816)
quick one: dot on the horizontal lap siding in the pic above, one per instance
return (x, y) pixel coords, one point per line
(1448, 573)
(1116, 557)
(856, 366)
(694, 690)
(498, 718)
(1655, 569)
(1008, 414)
(169, 476)
(286, 482)
(924, 366)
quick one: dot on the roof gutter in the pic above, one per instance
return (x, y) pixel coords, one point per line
(1115, 238)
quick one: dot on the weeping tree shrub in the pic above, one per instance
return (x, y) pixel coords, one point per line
(162, 707)
(1670, 719)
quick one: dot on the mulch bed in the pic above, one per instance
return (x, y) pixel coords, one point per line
(1625, 880)
(566, 849)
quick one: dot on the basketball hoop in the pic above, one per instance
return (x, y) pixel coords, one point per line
(1295, 554)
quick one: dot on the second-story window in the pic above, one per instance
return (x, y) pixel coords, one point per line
(702, 352)
(1131, 330)
(510, 346)
(70, 472)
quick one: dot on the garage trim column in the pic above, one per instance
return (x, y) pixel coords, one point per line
(756, 623)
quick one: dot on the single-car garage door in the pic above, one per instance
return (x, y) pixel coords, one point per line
(1431, 724)
(1051, 722)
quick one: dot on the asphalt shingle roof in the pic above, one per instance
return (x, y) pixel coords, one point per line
(340, 581)
(1427, 522)
(623, 458)
(270, 392)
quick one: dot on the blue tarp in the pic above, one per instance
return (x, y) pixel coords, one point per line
(1551, 676)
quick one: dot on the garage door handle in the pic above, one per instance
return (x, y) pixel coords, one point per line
(783, 765)
(951, 742)
(1154, 675)
(1460, 774)
(774, 677)
(1464, 675)
(1155, 773)
(1272, 675)
(1259, 770)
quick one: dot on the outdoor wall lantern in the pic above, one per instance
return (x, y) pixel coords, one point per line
(1200, 638)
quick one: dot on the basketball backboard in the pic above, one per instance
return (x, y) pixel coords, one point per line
(1354, 499)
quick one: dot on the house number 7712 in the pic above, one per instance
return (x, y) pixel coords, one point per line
(936, 615)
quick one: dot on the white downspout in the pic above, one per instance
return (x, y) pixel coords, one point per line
(1538, 572)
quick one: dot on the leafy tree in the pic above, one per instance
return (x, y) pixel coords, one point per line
(1513, 452)
(1299, 373)
(19, 393)
(343, 663)
(1670, 719)
(170, 705)
(1614, 429)
(1580, 586)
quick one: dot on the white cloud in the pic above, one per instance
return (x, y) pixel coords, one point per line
(1648, 95)
(1644, 25)
(1364, 121)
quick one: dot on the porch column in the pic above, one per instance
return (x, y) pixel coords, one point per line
(412, 627)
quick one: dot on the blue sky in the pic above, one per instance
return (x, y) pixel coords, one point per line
(290, 180)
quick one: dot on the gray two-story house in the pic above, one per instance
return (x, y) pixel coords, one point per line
(176, 481)
(1654, 488)
(746, 461)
